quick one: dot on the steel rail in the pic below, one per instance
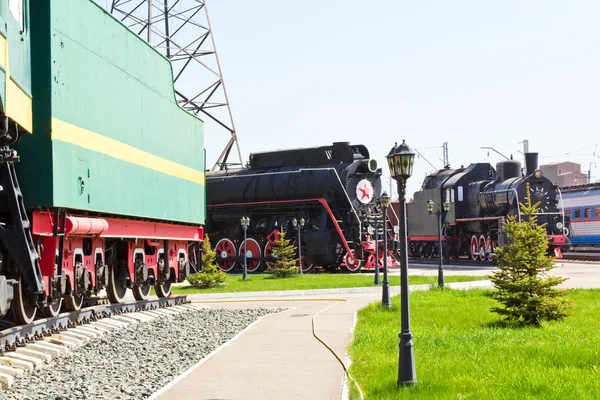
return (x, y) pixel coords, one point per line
(18, 336)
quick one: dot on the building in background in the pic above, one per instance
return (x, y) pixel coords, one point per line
(564, 173)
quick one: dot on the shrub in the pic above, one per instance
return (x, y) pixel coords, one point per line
(211, 275)
(286, 256)
(524, 288)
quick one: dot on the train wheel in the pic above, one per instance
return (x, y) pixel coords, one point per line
(23, 309)
(474, 248)
(268, 252)
(163, 289)
(225, 249)
(307, 265)
(370, 264)
(482, 247)
(53, 309)
(74, 302)
(252, 254)
(116, 289)
(428, 250)
(352, 264)
(489, 249)
(141, 292)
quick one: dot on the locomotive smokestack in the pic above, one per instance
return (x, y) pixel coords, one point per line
(531, 162)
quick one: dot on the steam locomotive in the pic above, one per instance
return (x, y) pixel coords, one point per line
(479, 198)
(324, 192)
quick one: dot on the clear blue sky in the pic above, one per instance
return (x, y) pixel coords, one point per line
(470, 73)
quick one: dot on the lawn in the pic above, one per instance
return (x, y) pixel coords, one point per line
(265, 282)
(463, 351)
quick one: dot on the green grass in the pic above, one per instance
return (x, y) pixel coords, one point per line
(265, 282)
(463, 351)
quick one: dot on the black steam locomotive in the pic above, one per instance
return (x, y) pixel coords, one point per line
(480, 198)
(324, 191)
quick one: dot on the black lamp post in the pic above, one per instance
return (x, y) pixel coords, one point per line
(299, 225)
(245, 221)
(384, 200)
(400, 160)
(439, 214)
(377, 280)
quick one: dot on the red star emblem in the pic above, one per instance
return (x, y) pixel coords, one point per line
(365, 191)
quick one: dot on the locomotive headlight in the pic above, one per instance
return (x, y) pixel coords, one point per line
(538, 174)
(372, 165)
(559, 225)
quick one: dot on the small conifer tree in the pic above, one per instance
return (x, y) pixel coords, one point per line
(524, 288)
(285, 258)
(211, 275)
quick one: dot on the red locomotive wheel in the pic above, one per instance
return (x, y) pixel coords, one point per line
(474, 248)
(370, 264)
(351, 263)
(252, 254)
(225, 249)
(307, 265)
(482, 247)
(489, 249)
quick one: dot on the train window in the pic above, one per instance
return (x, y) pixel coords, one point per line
(568, 212)
(597, 212)
(447, 197)
(577, 213)
(451, 195)
(587, 212)
(16, 9)
(460, 193)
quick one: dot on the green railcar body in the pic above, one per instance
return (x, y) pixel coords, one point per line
(108, 135)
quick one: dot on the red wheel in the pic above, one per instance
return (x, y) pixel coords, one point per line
(351, 263)
(307, 265)
(474, 248)
(252, 254)
(225, 249)
(482, 247)
(268, 252)
(370, 264)
(489, 249)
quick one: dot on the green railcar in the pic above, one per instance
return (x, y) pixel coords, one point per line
(108, 188)
(109, 136)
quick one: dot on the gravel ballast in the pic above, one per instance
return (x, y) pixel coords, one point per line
(135, 361)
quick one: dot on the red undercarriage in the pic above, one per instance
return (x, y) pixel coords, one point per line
(85, 243)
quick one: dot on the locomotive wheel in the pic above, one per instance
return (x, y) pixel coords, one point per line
(482, 247)
(489, 249)
(307, 265)
(22, 308)
(225, 249)
(268, 252)
(141, 292)
(352, 264)
(163, 289)
(474, 248)
(52, 309)
(74, 302)
(370, 264)
(428, 250)
(253, 261)
(116, 289)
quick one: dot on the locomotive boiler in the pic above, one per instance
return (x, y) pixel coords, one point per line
(480, 198)
(329, 188)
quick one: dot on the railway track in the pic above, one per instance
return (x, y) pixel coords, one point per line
(28, 347)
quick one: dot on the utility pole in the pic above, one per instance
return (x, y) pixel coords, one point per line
(446, 161)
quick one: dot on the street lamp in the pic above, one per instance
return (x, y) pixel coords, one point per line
(245, 222)
(299, 225)
(438, 214)
(384, 200)
(400, 160)
(377, 280)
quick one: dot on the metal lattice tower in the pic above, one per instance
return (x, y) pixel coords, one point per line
(180, 30)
